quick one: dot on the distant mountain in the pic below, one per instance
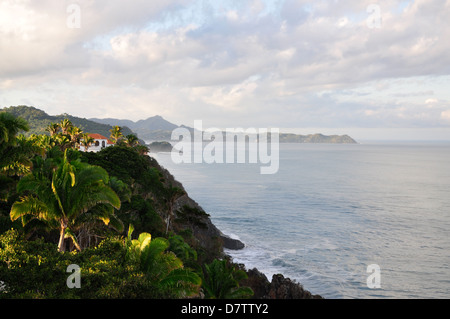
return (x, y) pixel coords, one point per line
(153, 123)
(157, 128)
(154, 128)
(38, 120)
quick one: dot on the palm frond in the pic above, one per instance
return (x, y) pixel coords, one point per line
(81, 201)
(116, 223)
(30, 205)
(184, 281)
(151, 254)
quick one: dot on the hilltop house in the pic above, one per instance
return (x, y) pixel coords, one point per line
(100, 142)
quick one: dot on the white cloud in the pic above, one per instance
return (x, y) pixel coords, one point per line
(445, 115)
(261, 60)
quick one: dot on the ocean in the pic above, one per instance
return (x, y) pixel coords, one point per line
(332, 211)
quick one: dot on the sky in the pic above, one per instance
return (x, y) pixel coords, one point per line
(370, 69)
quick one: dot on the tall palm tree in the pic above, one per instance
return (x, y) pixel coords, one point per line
(61, 192)
(83, 227)
(116, 134)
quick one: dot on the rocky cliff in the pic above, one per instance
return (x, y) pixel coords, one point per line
(210, 238)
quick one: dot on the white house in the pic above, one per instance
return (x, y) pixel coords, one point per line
(100, 142)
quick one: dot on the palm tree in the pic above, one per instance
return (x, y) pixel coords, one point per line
(62, 192)
(163, 268)
(142, 149)
(66, 125)
(86, 141)
(63, 141)
(132, 140)
(116, 134)
(83, 228)
(221, 281)
(10, 126)
(13, 150)
(53, 129)
(43, 142)
(19, 157)
(75, 134)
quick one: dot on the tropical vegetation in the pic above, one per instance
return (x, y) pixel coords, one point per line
(112, 213)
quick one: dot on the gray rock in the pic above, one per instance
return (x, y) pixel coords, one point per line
(230, 243)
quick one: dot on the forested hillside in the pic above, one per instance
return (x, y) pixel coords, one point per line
(38, 120)
(117, 217)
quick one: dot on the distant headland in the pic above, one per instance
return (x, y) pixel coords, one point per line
(156, 128)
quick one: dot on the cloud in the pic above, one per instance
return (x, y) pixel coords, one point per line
(445, 115)
(277, 63)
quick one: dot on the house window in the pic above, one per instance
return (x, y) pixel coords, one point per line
(103, 143)
(97, 143)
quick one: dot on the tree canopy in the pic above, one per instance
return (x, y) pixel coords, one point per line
(62, 206)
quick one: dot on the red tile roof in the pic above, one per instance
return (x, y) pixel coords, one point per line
(97, 136)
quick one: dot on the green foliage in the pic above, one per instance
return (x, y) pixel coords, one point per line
(183, 251)
(10, 126)
(15, 150)
(192, 216)
(63, 193)
(51, 187)
(221, 281)
(116, 134)
(143, 180)
(127, 165)
(141, 212)
(162, 267)
(30, 269)
(34, 269)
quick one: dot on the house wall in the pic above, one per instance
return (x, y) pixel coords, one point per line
(96, 148)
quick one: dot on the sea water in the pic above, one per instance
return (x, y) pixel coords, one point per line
(334, 209)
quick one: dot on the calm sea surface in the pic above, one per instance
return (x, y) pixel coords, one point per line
(333, 210)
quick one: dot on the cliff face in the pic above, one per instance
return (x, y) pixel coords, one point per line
(209, 237)
(189, 215)
(160, 204)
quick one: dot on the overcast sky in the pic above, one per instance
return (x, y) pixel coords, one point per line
(374, 69)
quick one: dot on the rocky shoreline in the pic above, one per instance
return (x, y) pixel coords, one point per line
(211, 239)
